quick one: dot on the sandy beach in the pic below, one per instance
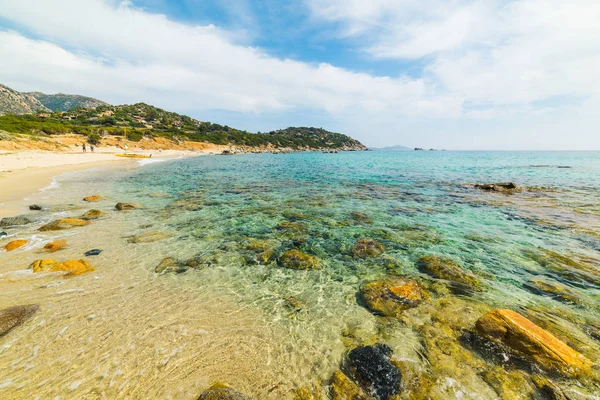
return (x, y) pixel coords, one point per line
(23, 172)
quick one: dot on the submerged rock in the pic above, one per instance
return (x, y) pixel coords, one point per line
(390, 297)
(295, 259)
(15, 244)
(12, 317)
(521, 336)
(446, 269)
(93, 252)
(35, 207)
(7, 222)
(555, 289)
(55, 245)
(148, 237)
(169, 264)
(220, 391)
(128, 206)
(577, 272)
(502, 187)
(64, 223)
(74, 267)
(367, 248)
(361, 218)
(343, 388)
(375, 370)
(92, 214)
(93, 198)
(593, 331)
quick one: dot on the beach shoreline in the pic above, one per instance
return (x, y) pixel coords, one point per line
(26, 172)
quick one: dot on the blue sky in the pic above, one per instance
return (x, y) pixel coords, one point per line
(456, 74)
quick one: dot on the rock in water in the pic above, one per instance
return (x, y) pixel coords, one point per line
(92, 214)
(127, 206)
(219, 391)
(15, 244)
(92, 198)
(169, 264)
(74, 267)
(64, 223)
(93, 252)
(389, 297)
(14, 221)
(2, 234)
(502, 187)
(12, 317)
(35, 207)
(148, 237)
(526, 339)
(375, 370)
(343, 388)
(55, 245)
(367, 248)
(295, 259)
(442, 268)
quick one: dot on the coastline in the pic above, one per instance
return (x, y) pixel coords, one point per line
(26, 172)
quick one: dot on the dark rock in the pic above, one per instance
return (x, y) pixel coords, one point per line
(35, 207)
(12, 317)
(502, 187)
(169, 264)
(14, 221)
(375, 370)
(2, 234)
(127, 206)
(93, 252)
(593, 331)
(222, 392)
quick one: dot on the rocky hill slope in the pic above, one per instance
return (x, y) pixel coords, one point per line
(66, 102)
(13, 102)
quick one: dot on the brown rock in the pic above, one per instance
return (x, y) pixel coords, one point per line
(343, 388)
(55, 245)
(295, 259)
(510, 329)
(12, 317)
(502, 187)
(15, 244)
(554, 289)
(64, 223)
(367, 248)
(446, 269)
(92, 214)
(92, 198)
(128, 206)
(220, 391)
(74, 267)
(390, 297)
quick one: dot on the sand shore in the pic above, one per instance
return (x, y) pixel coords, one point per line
(23, 172)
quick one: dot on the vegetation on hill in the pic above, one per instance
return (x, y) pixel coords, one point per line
(66, 102)
(142, 120)
(13, 102)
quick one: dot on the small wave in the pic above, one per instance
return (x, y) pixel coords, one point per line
(147, 161)
(53, 185)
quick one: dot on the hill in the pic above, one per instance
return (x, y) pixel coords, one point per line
(142, 121)
(13, 102)
(66, 102)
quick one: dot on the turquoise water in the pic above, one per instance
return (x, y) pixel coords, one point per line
(226, 210)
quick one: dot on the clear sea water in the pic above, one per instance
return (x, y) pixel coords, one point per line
(125, 331)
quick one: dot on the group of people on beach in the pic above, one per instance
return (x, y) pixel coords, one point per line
(85, 150)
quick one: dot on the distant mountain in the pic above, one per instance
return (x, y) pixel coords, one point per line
(391, 148)
(13, 102)
(66, 102)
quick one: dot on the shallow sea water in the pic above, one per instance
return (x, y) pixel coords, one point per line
(124, 331)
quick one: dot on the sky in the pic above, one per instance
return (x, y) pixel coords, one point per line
(452, 74)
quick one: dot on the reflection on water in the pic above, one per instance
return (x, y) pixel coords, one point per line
(236, 315)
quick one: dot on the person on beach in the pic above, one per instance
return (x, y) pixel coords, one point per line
(92, 147)
(83, 147)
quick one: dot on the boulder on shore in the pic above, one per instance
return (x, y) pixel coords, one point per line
(74, 267)
(128, 206)
(35, 207)
(367, 248)
(64, 223)
(375, 370)
(12, 317)
(390, 297)
(295, 259)
(55, 245)
(524, 338)
(7, 222)
(219, 391)
(15, 244)
(443, 268)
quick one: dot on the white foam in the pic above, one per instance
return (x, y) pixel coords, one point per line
(147, 161)
(53, 185)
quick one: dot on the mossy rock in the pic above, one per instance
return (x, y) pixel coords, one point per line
(443, 268)
(220, 391)
(92, 214)
(64, 223)
(128, 206)
(361, 218)
(554, 289)
(390, 297)
(367, 248)
(295, 259)
(343, 388)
